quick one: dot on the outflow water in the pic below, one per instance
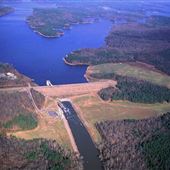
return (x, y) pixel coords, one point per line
(42, 58)
(82, 138)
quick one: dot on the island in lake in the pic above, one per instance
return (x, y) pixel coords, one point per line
(53, 22)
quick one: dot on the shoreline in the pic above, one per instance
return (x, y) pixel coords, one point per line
(79, 64)
(48, 36)
(73, 64)
(58, 34)
(87, 77)
(9, 11)
(20, 81)
(65, 28)
(41, 34)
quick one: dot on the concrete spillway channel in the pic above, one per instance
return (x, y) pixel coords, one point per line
(82, 138)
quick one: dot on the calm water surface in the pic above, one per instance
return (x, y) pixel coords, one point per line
(41, 58)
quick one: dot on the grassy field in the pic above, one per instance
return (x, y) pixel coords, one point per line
(92, 109)
(138, 71)
(48, 127)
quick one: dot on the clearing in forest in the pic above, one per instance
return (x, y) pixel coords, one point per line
(92, 109)
(137, 70)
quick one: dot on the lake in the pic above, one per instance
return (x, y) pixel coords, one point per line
(42, 58)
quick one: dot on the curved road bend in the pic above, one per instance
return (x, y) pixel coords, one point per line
(82, 138)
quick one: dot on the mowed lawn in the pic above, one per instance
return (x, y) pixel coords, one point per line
(132, 70)
(92, 110)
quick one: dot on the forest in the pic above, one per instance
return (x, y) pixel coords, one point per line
(127, 144)
(133, 90)
(98, 56)
(35, 154)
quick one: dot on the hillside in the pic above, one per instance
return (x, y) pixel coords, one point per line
(17, 111)
(128, 144)
(35, 154)
(10, 77)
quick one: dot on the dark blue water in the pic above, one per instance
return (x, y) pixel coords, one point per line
(41, 58)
